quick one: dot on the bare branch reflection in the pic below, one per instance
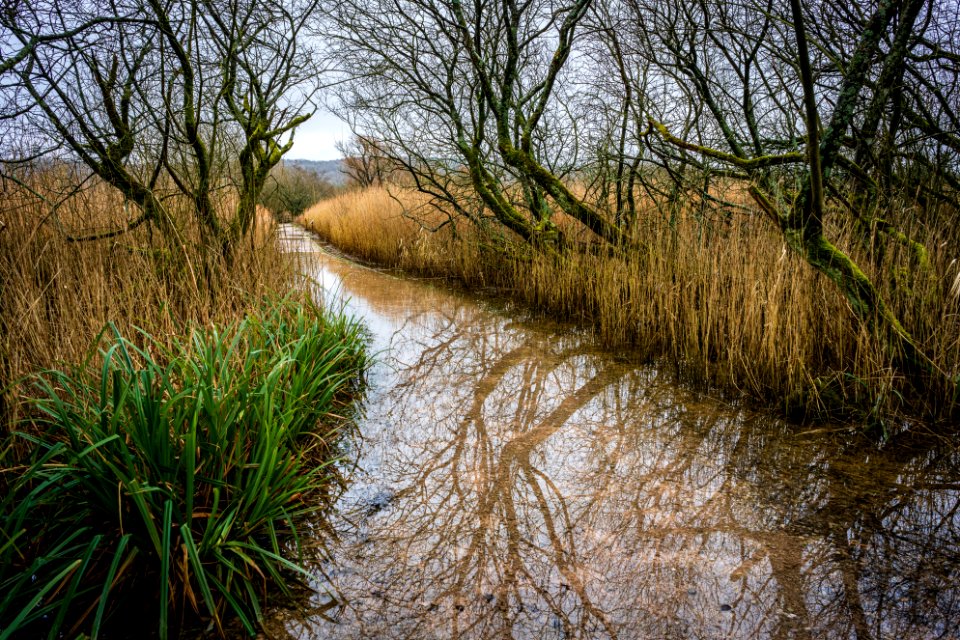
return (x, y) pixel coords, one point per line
(517, 483)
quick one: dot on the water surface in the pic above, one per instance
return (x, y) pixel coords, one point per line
(514, 481)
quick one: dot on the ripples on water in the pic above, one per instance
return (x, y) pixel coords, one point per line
(514, 481)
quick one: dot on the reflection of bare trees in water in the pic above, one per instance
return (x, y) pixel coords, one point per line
(533, 488)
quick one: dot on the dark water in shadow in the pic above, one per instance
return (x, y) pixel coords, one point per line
(515, 482)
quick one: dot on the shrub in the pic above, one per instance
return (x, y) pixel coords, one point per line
(290, 190)
(176, 473)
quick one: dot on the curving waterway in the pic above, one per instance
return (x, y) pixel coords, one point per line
(512, 480)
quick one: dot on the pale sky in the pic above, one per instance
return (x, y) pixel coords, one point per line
(316, 138)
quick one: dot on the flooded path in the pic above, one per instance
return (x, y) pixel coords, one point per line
(513, 481)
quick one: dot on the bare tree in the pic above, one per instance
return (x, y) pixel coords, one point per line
(815, 109)
(156, 98)
(465, 97)
(363, 162)
(290, 190)
(805, 118)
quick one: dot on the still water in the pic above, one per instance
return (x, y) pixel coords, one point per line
(511, 480)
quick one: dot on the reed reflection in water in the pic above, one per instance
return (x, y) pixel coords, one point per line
(513, 481)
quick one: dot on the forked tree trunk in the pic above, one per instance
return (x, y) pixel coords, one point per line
(802, 224)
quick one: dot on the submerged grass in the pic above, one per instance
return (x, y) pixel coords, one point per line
(723, 300)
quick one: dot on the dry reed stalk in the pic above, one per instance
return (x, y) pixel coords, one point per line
(725, 301)
(56, 295)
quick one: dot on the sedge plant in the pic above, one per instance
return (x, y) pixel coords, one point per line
(176, 472)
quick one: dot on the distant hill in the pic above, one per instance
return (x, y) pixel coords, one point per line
(329, 170)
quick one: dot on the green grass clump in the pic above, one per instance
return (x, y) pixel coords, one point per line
(174, 476)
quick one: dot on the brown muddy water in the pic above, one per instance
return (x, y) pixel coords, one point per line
(511, 480)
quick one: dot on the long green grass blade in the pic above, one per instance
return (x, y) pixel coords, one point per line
(165, 560)
(26, 611)
(72, 590)
(200, 573)
(150, 441)
(118, 556)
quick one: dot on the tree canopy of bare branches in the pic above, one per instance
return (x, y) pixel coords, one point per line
(816, 110)
(155, 97)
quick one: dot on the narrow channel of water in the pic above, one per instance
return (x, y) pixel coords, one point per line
(513, 481)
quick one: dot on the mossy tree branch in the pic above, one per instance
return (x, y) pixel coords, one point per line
(801, 220)
(151, 99)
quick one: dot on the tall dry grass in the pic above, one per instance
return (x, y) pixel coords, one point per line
(724, 302)
(171, 421)
(56, 295)
(373, 225)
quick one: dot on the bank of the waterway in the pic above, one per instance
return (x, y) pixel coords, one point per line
(512, 480)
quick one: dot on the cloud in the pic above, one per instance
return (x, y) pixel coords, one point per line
(316, 139)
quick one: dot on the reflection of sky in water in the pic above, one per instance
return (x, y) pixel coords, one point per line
(516, 482)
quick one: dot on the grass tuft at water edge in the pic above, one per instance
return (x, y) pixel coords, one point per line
(174, 472)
